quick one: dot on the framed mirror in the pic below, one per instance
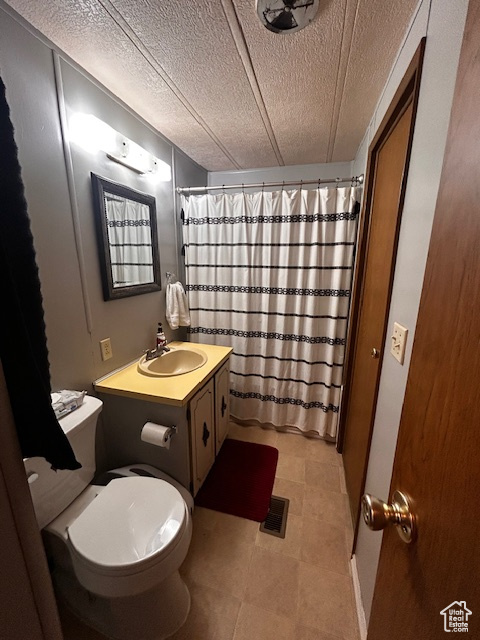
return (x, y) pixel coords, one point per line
(126, 224)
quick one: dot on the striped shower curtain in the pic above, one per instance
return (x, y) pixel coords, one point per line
(269, 274)
(129, 240)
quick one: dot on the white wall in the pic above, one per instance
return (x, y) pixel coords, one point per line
(442, 21)
(279, 174)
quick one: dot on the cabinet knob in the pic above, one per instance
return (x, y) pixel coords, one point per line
(206, 434)
(224, 406)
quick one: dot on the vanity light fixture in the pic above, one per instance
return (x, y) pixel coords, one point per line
(93, 135)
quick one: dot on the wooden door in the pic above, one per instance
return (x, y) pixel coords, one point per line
(386, 178)
(437, 460)
(222, 405)
(202, 425)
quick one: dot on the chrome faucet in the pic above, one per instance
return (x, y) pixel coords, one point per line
(151, 354)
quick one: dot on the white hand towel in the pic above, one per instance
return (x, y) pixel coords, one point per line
(178, 313)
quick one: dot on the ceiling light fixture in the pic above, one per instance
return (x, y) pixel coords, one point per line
(94, 135)
(286, 16)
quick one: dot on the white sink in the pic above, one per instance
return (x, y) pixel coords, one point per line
(173, 362)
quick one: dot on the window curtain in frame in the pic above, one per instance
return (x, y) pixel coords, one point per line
(270, 273)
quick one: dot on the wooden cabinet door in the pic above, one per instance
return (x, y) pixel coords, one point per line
(222, 405)
(202, 424)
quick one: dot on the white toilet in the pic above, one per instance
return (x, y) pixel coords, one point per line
(115, 547)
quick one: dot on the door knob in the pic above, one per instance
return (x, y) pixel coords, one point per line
(375, 353)
(377, 514)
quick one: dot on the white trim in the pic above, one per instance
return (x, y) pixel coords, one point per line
(72, 192)
(362, 622)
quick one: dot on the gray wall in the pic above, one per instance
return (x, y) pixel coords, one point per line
(27, 68)
(279, 174)
(27, 71)
(77, 317)
(187, 174)
(130, 323)
(442, 21)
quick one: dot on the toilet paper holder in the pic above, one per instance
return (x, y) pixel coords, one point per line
(173, 428)
(170, 426)
(159, 435)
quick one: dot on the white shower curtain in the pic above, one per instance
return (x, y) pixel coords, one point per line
(270, 274)
(130, 241)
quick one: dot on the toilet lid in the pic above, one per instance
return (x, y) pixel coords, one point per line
(130, 521)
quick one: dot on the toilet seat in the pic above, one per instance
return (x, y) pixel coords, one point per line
(133, 523)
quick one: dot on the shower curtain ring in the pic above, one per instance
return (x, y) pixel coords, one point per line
(283, 184)
(263, 187)
(337, 181)
(223, 189)
(243, 188)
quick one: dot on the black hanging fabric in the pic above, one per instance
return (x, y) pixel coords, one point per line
(23, 344)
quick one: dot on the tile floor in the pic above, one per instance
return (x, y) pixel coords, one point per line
(250, 585)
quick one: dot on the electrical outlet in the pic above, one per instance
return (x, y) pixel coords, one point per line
(106, 349)
(399, 342)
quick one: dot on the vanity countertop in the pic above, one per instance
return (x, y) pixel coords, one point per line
(172, 390)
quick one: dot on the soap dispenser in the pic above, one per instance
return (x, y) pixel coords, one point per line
(161, 339)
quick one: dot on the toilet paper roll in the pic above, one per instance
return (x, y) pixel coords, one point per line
(157, 434)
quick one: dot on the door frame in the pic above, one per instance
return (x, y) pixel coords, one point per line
(407, 93)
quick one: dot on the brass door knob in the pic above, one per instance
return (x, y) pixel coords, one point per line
(377, 514)
(375, 353)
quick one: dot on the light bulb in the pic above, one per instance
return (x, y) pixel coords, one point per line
(90, 133)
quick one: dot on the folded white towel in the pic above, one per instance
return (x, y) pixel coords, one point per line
(178, 313)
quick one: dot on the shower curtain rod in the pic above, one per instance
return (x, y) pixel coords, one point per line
(258, 185)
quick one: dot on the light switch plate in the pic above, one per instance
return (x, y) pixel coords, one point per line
(106, 349)
(399, 342)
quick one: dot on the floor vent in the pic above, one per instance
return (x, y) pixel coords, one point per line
(276, 521)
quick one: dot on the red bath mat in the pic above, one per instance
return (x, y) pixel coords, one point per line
(241, 480)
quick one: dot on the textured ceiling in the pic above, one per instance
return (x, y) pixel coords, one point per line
(231, 94)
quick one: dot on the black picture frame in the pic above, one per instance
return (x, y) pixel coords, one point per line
(100, 187)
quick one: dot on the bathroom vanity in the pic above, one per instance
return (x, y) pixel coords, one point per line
(195, 403)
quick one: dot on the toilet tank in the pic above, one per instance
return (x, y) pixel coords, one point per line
(52, 491)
